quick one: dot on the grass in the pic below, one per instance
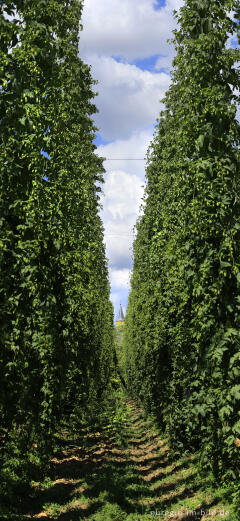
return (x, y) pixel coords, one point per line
(125, 473)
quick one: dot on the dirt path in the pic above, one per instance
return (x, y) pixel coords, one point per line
(98, 477)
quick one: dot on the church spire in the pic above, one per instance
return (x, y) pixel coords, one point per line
(121, 318)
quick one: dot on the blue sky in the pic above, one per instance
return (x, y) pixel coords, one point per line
(126, 45)
(158, 4)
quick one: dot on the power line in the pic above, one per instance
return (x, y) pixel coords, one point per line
(123, 159)
(115, 235)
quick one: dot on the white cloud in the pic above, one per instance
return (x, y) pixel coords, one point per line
(119, 238)
(135, 147)
(120, 279)
(127, 28)
(123, 192)
(165, 62)
(122, 198)
(129, 98)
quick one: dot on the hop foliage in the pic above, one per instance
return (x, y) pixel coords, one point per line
(182, 327)
(56, 320)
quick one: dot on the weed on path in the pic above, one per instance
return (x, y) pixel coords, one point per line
(124, 474)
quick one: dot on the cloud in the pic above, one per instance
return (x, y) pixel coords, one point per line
(129, 98)
(119, 238)
(120, 279)
(122, 194)
(165, 62)
(122, 198)
(135, 147)
(121, 201)
(128, 28)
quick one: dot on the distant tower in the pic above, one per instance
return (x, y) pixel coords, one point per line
(121, 318)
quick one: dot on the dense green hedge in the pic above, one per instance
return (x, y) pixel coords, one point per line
(182, 342)
(56, 320)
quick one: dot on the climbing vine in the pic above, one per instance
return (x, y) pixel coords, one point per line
(55, 314)
(182, 336)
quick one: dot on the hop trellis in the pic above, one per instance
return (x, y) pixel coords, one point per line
(182, 324)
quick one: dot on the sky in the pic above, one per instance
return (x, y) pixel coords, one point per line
(125, 42)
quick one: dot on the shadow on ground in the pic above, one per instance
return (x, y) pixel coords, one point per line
(94, 478)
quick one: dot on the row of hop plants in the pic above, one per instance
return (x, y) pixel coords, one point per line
(182, 332)
(56, 320)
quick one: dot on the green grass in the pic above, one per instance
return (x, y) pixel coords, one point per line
(125, 473)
